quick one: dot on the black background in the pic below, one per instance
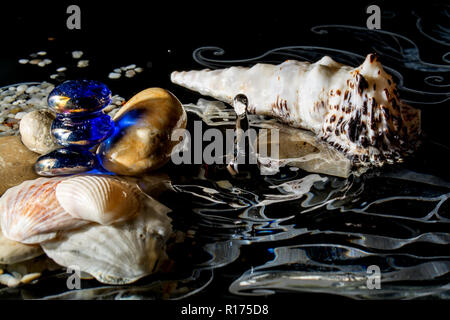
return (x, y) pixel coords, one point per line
(161, 36)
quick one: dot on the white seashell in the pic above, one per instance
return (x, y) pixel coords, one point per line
(101, 199)
(14, 252)
(355, 110)
(116, 254)
(30, 212)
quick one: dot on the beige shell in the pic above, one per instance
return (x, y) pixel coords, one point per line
(116, 254)
(30, 213)
(14, 252)
(101, 199)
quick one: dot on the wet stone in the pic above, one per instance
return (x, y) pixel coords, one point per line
(65, 161)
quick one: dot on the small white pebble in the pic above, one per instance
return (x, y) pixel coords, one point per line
(117, 70)
(77, 54)
(109, 108)
(130, 74)
(131, 66)
(30, 277)
(42, 53)
(47, 61)
(20, 115)
(113, 75)
(53, 76)
(22, 88)
(8, 99)
(138, 69)
(62, 69)
(42, 64)
(32, 89)
(83, 63)
(8, 280)
(23, 61)
(118, 102)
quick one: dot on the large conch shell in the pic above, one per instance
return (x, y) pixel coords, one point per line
(99, 198)
(30, 212)
(356, 110)
(118, 254)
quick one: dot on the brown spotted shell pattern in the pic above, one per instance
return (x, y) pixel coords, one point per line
(356, 110)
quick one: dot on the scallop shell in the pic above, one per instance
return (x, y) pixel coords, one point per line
(101, 199)
(116, 254)
(30, 212)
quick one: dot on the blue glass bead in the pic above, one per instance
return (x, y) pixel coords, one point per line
(79, 96)
(65, 161)
(87, 130)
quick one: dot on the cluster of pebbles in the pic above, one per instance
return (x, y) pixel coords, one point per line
(37, 58)
(130, 71)
(17, 100)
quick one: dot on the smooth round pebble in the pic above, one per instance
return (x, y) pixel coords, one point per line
(130, 74)
(113, 75)
(35, 130)
(77, 54)
(83, 63)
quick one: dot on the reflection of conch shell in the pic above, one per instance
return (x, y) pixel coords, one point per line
(356, 110)
(298, 148)
(118, 254)
(30, 212)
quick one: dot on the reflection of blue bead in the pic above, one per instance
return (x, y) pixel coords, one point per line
(65, 161)
(86, 130)
(79, 96)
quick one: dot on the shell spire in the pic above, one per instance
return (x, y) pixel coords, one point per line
(355, 110)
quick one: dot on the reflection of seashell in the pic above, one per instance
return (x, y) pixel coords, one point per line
(355, 110)
(298, 148)
(118, 254)
(102, 199)
(30, 212)
(13, 251)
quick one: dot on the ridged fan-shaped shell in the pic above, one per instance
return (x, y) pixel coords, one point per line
(101, 199)
(30, 212)
(117, 254)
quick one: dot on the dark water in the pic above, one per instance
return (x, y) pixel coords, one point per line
(297, 232)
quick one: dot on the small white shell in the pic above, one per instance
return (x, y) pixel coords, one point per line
(101, 199)
(13, 251)
(30, 213)
(118, 254)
